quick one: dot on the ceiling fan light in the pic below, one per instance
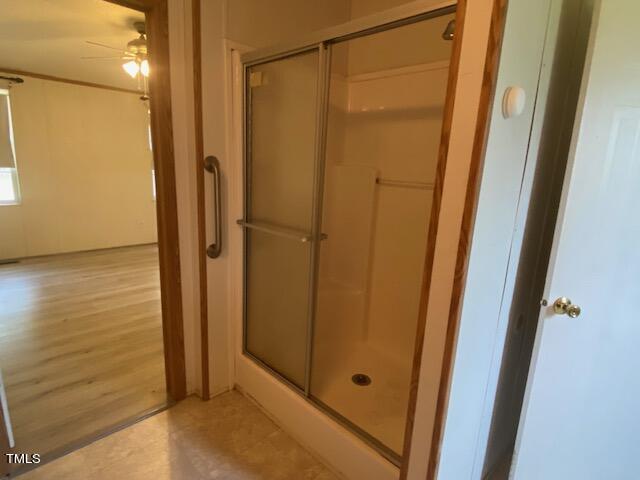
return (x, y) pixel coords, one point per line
(132, 68)
(144, 68)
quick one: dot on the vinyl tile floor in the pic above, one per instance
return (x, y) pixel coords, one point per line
(227, 438)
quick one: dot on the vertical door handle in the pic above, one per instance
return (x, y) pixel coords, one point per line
(212, 165)
(4, 406)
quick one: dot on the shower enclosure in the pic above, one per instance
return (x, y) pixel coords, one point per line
(341, 142)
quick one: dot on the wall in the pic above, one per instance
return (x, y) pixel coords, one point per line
(391, 50)
(513, 147)
(505, 157)
(260, 24)
(554, 123)
(84, 166)
(361, 8)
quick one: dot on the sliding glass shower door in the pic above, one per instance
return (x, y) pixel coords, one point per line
(281, 171)
(341, 154)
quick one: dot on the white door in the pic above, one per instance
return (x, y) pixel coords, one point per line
(581, 416)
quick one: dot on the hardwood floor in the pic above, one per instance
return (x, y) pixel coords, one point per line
(80, 344)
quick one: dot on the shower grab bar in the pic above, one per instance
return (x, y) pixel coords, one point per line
(279, 231)
(212, 165)
(403, 184)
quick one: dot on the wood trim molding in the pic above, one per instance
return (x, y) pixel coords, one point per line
(141, 5)
(157, 20)
(496, 30)
(52, 78)
(498, 16)
(433, 230)
(200, 200)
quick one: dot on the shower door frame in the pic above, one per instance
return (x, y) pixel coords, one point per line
(314, 236)
(321, 42)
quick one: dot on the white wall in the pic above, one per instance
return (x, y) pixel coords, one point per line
(260, 24)
(389, 50)
(492, 238)
(84, 167)
(555, 125)
(527, 59)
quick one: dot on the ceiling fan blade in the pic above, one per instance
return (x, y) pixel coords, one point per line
(104, 46)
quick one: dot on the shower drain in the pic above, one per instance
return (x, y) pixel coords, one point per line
(361, 379)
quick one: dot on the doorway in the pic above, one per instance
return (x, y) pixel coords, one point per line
(91, 318)
(569, 32)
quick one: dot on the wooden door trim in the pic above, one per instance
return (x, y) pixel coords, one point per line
(157, 25)
(498, 16)
(487, 94)
(433, 229)
(200, 198)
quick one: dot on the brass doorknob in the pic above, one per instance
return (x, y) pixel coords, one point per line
(563, 306)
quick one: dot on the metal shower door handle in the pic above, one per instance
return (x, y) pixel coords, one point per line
(212, 165)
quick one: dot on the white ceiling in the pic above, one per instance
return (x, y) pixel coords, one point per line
(49, 37)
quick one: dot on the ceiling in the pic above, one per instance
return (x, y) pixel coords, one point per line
(49, 37)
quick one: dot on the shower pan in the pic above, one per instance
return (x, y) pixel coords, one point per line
(341, 139)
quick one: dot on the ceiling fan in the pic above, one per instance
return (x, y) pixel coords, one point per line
(134, 55)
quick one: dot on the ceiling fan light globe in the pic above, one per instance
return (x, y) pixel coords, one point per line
(132, 68)
(144, 67)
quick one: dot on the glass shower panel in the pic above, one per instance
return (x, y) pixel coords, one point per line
(386, 99)
(280, 175)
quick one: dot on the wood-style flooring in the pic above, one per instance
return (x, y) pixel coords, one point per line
(80, 344)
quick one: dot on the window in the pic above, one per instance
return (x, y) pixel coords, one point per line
(9, 189)
(8, 186)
